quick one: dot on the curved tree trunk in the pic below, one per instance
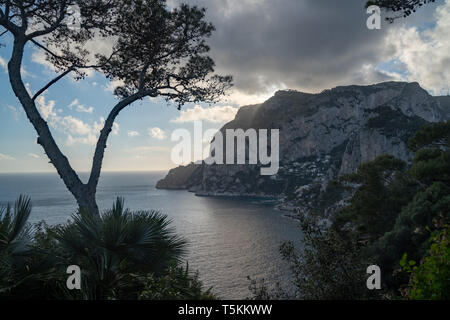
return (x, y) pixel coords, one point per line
(88, 202)
(84, 194)
(103, 138)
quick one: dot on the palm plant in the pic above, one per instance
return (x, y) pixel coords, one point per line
(27, 270)
(118, 248)
(14, 240)
(116, 251)
(14, 232)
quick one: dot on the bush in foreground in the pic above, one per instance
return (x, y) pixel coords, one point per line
(117, 252)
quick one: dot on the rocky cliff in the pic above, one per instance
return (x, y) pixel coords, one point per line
(444, 103)
(177, 178)
(321, 136)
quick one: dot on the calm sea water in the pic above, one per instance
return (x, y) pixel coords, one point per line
(229, 239)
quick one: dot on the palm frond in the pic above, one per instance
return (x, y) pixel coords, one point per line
(119, 243)
(15, 234)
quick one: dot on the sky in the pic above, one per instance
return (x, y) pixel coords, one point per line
(266, 45)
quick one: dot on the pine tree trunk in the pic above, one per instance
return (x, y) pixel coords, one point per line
(84, 194)
(86, 201)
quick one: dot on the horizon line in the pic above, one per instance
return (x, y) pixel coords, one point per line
(78, 172)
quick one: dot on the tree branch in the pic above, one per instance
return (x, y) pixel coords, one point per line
(53, 27)
(74, 66)
(142, 76)
(48, 85)
(5, 20)
(104, 134)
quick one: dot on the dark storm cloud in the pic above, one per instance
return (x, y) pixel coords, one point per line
(306, 44)
(300, 44)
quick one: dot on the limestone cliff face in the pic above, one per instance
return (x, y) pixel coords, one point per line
(322, 136)
(444, 103)
(177, 178)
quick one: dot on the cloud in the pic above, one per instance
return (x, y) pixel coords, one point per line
(78, 131)
(5, 157)
(38, 56)
(89, 133)
(112, 85)
(133, 133)
(312, 45)
(309, 45)
(33, 155)
(73, 103)
(424, 55)
(25, 73)
(157, 133)
(79, 107)
(76, 126)
(3, 64)
(27, 87)
(14, 111)
(268, 45)
(90, 139)
(95, 45)
(46, 109)
(216, 114)
(115, 129)
(306, 45)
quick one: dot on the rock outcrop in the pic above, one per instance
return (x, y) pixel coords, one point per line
(444, 103)
(177, 178)
(321, 137)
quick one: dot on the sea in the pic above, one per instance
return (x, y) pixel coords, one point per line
(229, 238)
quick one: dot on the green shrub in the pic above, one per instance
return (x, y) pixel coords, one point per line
(431, 279)
(177, 284)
